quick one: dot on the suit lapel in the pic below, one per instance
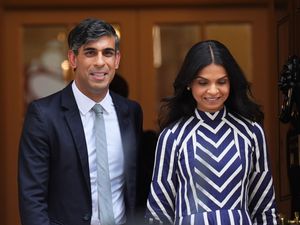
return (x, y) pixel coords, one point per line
(126, 130)
(123, 117)
(73, 119)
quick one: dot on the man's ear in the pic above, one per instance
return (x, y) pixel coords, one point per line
(118, 57)
(72, 59)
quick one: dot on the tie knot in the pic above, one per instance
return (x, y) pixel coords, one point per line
(98, 109)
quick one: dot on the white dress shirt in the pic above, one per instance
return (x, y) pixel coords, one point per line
(114, 148)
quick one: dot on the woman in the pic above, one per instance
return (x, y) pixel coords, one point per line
(211, 164)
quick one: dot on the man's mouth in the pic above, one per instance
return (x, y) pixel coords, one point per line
(98, 75)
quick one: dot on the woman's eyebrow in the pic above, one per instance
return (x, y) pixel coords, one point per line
(201, 77)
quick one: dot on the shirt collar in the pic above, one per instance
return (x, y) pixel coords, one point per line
(85, 104)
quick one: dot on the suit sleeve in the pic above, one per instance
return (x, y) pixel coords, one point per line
(161, 199)
(33, 169)
(261, 190)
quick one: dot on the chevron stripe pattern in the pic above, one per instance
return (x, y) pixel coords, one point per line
(212, 169)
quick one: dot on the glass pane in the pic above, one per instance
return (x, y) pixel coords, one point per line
(45, 60)
(170, 45)
(238, 38)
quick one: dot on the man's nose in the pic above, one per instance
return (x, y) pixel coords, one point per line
(99, 59)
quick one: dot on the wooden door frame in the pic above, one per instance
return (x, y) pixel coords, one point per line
(137, 68)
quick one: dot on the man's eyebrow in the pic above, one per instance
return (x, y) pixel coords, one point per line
(110, 50)
(94, 49)
(89, 49)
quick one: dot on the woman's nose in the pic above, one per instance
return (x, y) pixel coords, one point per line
(213, 89)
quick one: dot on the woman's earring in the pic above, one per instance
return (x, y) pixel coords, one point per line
(188, 88)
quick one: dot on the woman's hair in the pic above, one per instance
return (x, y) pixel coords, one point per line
(182, 104)
(88, 30)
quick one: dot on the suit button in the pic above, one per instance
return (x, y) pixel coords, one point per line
(86, 217)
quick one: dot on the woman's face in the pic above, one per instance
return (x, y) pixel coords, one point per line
(210, 88)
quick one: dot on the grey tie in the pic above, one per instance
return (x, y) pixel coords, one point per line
(105, 211)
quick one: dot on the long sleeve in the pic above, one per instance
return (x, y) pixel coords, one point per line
(161, 200)
(33, 170)
(261, 190)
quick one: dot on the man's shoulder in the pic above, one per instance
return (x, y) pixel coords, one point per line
(53, 99)
(122, 100)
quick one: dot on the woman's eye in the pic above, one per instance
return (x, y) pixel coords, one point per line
(202, 82)
(223, 81)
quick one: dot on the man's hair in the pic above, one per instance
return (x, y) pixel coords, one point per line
(88, 30)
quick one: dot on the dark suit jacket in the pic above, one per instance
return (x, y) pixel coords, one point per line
(54, 181)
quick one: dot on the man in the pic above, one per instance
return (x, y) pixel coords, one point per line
(58, 169)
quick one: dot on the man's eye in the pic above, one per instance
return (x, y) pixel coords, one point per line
(90, 53)
(109, 53)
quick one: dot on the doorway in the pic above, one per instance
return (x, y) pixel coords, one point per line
(153, 45)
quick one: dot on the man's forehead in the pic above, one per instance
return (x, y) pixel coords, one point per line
(101, 42)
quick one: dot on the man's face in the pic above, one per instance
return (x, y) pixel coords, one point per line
(95, 66)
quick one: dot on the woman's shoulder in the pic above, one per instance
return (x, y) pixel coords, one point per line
(245, 125)
(179, 128)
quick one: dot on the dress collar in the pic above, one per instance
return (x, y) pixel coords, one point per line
(211, 116)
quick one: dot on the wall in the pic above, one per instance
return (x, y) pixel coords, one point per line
(286, 23)
(2, 138)
(135, 3)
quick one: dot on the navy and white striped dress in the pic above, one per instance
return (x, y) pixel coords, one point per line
(212, 169)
